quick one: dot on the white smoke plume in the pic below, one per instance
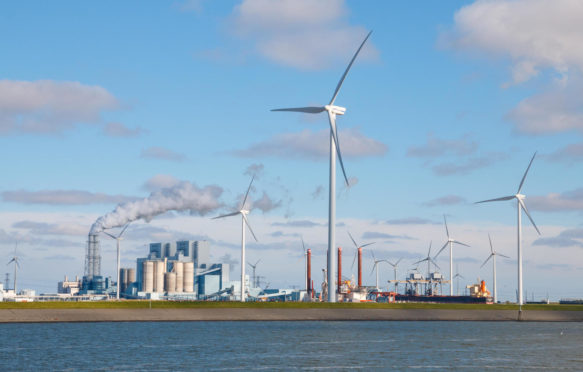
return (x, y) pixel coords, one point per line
(183, 196)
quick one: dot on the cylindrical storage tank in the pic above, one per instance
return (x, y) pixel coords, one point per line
(123, 279)
(170, 282)
(188, 279)
(159, 276)
(148, 276)
(179, 270)
(131, 277)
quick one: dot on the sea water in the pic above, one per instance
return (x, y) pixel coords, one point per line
(220, 346)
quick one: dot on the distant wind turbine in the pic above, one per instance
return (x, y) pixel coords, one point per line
(375, 266)
(394, 265)
(358, 247)
(332, 111)
(429, 261)
(493, 255)
(254, 266)
(243, 212)
(457, 276)
(520, 205)
(117, 238)
(450, 241)
(16, 261)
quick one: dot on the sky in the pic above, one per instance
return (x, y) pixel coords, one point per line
(158, 104)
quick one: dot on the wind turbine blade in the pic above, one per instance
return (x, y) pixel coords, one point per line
(249, 226)
(226, 215)
(487, 259)
(353, 260)
(497, 199)
(398, 261)
(110, 235)
(458, 242)
(525, 173)
(392, 264)
(372, 254)
(257, 261)
(441, 250)
(303, 245)
(332, 120)
(348, 69)
(435, 263)
(423, 260)
(491, 248)
(528, 214)
(367, 244)
(307, 110)
(247, 193)
(446, 229)
(123, 230)
(351, 238)
(373, 267)
(501, 255)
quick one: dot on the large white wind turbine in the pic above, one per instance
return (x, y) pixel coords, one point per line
(450, 241)
(493, 255)
(16, 261)
(243, 212)
(375, 266)
(117, 238)
(332, 111)
(520, 205)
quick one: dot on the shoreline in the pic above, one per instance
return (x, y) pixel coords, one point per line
(275, 314)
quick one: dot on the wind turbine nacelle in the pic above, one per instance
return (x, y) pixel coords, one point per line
(337, 110)
(520, 196)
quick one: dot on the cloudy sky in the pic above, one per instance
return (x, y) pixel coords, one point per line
(108, 103)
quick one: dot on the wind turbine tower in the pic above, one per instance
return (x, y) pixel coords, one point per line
(332, 111)
(520, 206)
(394, 265)
(16, 261)
(493, 255)
(244, 221)
(255, 282)
(450, 241)
(358, 253)
(376, 266)
(117, 239)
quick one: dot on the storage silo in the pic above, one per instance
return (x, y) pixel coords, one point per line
(188, 279)
(160, 269)
(123, 279)
(148, 276)
(179, 270)
(170, 282)
(131, 277)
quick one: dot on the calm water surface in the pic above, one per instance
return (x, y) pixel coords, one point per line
(172, 346)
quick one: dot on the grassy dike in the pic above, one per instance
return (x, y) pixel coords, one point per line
(144, 304)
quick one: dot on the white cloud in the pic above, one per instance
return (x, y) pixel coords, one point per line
(119, 130)
(440, 147)
(315, 145)
(535, 34)
(445, 200)
(161, 153)
(159, 182)
(51, 107)
(570, 153)
(558, 202)
(299, 33)
(266, 203)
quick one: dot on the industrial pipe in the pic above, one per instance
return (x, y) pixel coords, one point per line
(309, 271)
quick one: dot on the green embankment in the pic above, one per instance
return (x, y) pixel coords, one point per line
(140, 304)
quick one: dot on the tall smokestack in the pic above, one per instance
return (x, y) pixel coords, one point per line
(339, 268)
(359, 267)
(309, 272)
(93, 257)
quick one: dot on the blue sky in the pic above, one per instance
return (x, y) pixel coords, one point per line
(106, 102)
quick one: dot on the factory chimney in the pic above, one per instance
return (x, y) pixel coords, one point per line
(339, 268)
(93, 257)
(309, 272)
(359, 267)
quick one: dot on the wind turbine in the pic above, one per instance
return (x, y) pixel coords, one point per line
(243, 212)
(254, 267)
(332, 111)
(450, 241)
(375, 266)
(394, 265)
(493, 255)
(457, 276)
(16, 261)
(357, 247)
(429, 261)
(117, 238)
(520, 205)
